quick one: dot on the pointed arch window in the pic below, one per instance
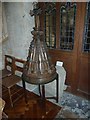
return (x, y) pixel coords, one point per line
(86, 41)
(67, 26)
(50, 25)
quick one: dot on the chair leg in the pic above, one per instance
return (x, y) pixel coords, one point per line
(10, 97)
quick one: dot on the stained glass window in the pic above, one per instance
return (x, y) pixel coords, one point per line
(50, 25)
(67, 26)
(86, 42)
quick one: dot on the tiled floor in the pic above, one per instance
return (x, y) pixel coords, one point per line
(73, 104)
(77, 105)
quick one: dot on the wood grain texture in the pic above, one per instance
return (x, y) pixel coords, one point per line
(36, 108)
(76, 62)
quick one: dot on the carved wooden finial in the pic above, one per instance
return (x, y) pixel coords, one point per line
(36, 10)
(39, 68)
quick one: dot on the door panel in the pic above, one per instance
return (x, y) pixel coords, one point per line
(57, 55)
(83, 63)
(83, 84)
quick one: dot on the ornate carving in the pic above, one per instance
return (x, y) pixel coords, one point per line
(39, 68)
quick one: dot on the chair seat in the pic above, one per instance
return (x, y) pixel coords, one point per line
(10, 81)
(5, 73)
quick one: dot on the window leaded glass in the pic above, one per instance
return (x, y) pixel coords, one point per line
(67, 26)
(50, 26)
(86, 43)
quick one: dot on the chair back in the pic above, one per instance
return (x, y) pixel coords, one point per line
(18, 66)
(9, 63)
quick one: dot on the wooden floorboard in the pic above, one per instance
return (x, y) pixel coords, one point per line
(36, 108)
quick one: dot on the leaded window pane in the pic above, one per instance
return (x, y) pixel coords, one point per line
(67, 26)
(50, 26)
(86, 42)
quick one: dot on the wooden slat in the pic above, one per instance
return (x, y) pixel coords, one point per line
(19, 69)
(19, 60)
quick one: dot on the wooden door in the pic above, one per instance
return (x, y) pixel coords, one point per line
(76, 62)
(83, 59)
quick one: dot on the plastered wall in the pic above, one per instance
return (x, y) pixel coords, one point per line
(0, 36)
(19, 26)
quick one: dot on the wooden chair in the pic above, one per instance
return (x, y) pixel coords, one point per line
(7, 71)
(10, 81)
